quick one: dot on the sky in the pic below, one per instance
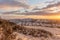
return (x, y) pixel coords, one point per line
(32, 2)
(13, 5)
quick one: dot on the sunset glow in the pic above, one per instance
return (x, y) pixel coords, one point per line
(12, 16)
(53, 9)
(9, 8)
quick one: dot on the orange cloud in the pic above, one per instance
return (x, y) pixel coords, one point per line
(7, 7)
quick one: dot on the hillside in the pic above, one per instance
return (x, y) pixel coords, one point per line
(9, 29)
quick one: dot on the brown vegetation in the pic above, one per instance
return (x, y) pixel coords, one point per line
(7, 28)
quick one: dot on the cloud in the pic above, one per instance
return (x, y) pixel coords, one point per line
(53, 3)
(23, 1)
(8, 5)
(13, 3)
(53, 7)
